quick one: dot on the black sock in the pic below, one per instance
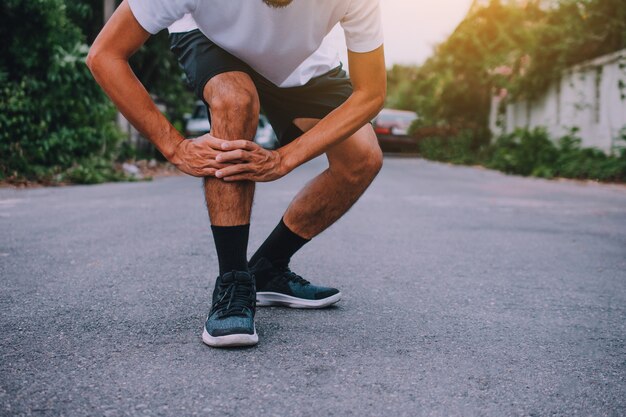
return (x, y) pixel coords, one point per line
(231, 243)
(279, 246)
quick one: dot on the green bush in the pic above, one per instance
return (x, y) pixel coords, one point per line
(93, 171)
(53, 116)
(529, 153)
(576, 162)
(524, 152)
(464, 148)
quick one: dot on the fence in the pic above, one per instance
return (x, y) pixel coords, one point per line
(590, 97)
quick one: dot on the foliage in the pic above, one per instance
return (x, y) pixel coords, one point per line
(52, 113)
(154, 64)
(88, 16)
(400, 80)
(157, 69)
(528, 152)
(572, 31)
(513, 46)
(55, 122)
(93, 171)
(524, 152)
(464, 148)
(454, 86)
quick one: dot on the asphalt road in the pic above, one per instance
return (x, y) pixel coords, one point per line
(466, 292)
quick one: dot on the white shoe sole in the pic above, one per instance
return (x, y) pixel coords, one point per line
(267, 299)
(230, 340)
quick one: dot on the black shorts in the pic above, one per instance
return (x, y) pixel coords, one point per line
(201, 60)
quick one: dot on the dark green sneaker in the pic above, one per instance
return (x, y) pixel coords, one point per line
(283, 287)
(231, 319)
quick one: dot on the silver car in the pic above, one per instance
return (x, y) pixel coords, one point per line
(198, 124)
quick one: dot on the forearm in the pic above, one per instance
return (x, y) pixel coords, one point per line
(353, 114)
(120, 83)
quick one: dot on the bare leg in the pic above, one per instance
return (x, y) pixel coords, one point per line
(234, 106)
(353, 165)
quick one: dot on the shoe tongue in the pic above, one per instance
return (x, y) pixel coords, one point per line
(235, 276)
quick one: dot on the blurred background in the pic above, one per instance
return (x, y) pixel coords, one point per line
(525, 87)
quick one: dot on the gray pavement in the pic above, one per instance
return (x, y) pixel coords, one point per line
(466, 292)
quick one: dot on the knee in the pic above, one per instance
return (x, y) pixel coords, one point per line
(236, 102)
(233, 94)
(374, 160)
(366, 165)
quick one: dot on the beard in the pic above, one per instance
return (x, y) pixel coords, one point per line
(277, 4)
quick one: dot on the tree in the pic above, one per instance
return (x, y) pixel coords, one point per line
(52, 113)
(518, 47)
(155, 66)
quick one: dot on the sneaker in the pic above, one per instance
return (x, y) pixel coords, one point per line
(285, 288)
(231, 319)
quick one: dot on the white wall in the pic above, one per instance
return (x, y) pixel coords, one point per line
(588, 97)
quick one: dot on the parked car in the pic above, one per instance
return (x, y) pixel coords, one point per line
(198, 124)
(392, 129)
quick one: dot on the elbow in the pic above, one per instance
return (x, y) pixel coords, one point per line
(94, 59)
(380, 102)
(371, 102)
(382, 97)
(377, 103)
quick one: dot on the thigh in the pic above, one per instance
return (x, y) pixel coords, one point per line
(352, 150)
(314, 100)
(201, 59)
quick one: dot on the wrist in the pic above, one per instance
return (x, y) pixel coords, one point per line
(171, 146)
(286, 161)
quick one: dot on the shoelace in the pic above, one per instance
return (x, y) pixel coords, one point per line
(234, 299)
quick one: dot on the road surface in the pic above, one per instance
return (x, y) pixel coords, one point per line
(466, 292)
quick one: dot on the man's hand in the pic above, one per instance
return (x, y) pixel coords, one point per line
(248, 161)
(197, 156)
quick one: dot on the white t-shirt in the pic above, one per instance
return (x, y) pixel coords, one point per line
(285, 45)
(185, 24)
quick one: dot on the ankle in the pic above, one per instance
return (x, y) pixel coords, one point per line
(280, 245)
